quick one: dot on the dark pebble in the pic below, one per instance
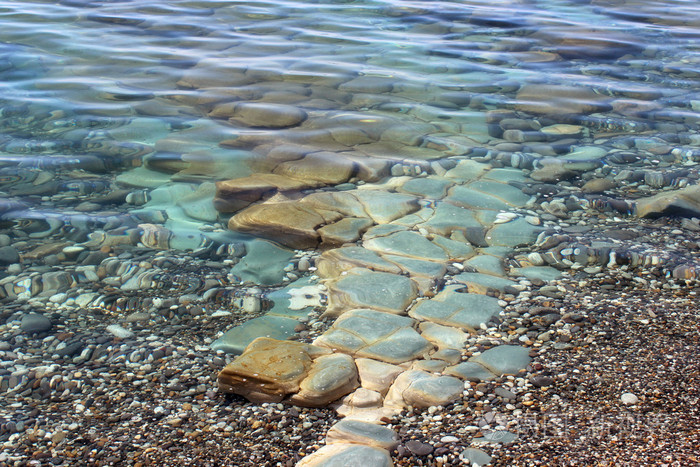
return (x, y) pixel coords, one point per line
(418, 448)
(34, 323)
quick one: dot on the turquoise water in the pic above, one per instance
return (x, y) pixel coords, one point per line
(114, 109)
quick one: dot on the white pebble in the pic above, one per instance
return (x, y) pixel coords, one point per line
(629, 399)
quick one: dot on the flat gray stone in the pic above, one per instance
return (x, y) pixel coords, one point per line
(444, 337)
(448, 218)
(515, 233)
(482, 283)
(475, 457)
(456, 250)
(263, 263)
(237, 339)
(430, 187)
(376, 335)
(383, 207)
(470, 371)
(544, 273)
(407, 243)
(453, 308)
(421, 389)
(504, 359)
(473, 199)
(487, 264)
(363, 288)
(417, 267)
(358, 432)
(333, 262)
(347, 455)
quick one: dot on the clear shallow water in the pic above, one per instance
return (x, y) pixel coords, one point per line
(102, 99)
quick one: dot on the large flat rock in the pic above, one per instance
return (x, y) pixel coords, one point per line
(372, 334)
(364, 288)
(457, 309)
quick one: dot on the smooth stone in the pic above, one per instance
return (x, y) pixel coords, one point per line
(288, 222)
(543, 273)
(262, 115)
(419, 448)
(269, 369)
(333, 262)
(9, 255)
(375, 375)
(363, 288)
(432, 188)
(628, 398)
(454, 308)
(329, 378)
(486, 264)
(347, 455)
(684, 202)
(376, 335)
(235, 194)
(296, 300)
(421, 389)
(475, 457)
(370, 434)
(323, 167)
(470, 371)
(466, 197)
(449, 218)
(235, 340)
(496, 437)
(263, 263)
(383, 207)
(407, 243)
(418, 268)
(347, 230)
(443, 336)
(598, 185)
(504, 359)
(35, 323)
(456, 250)
(119, 331)
(483, 283)
(516, 233)
(552, 99)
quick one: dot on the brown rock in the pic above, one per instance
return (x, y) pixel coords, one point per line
(683, 202)
(553, 99)
(289, 223)
(234, 195)
(598, 185)
(269, 369)
(324, 167)
(259, 114)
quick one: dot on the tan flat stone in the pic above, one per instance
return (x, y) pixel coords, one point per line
(324, 167)
(233, 195)
(288, 223)
(269, 369)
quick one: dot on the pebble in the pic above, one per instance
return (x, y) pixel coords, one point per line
(628, 398)
(35, 323)
(119, 331)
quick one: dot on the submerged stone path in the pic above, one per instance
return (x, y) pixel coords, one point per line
(401, 322)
